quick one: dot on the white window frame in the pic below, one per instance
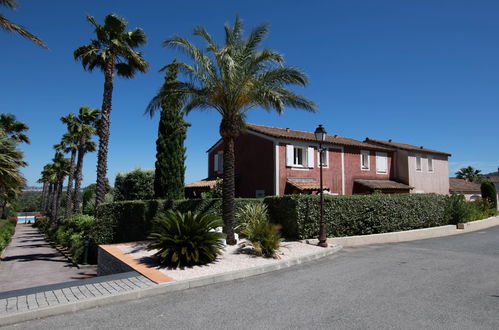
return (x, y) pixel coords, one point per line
(326, 154)
(420, 163)
(431, 169)
(362, 153)
(379, 155)
(304, 156)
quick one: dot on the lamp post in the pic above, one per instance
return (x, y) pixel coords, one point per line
(320, 136)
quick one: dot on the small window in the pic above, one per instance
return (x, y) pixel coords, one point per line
(430, 164)
(418, 163)
(219, 162)
(381, 163)
(324, 158)
(259, 193)
(364, 160)
(298, 156)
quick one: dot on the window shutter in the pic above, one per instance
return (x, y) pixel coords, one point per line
(381, 163)
(215, 166)
(310, 155)
(289, 155)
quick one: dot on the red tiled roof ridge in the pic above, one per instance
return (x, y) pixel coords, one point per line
(287, 129)
(406, 146)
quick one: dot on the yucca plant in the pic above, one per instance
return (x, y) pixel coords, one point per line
(186, 239)
(263, 236)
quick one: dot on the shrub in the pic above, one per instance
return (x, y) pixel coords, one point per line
(489, 193)
(134, 185)
(481, 209)
(355, 214)
(263, 236)
(186, 239)
(132, 220)
(7, 228)
(458, 210)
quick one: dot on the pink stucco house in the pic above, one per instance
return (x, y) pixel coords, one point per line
(277, 161)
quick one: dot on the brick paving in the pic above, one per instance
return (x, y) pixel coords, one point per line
(76, 292)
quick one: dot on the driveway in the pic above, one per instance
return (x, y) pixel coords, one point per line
(443, 283)
(30, 261)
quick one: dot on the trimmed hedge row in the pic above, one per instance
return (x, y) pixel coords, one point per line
(7, 229)
(132, 220)
(357, 214)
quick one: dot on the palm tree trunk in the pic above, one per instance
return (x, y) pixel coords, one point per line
(58, 199)
(48, 203)
(79, 175)
(228, 184)
(103, 132)
(44, 195)
(69, 192)
(53, 210)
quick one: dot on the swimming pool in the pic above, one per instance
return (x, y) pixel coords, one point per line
(24, 219)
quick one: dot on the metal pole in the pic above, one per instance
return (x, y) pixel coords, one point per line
(322, 224)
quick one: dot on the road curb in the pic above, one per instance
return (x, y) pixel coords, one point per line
(161, 288)
(411, 235)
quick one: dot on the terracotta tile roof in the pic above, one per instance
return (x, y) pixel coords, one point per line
(404, 146)
(286, 133)
(305, 184)
(205, 183)
(493, 178)
(464, 187)
(382, 184)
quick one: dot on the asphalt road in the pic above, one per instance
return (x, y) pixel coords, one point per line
(443, 283)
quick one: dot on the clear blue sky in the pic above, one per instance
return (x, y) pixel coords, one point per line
(423, 72)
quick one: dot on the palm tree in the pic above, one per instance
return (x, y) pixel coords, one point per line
(87, 123)
(11, 179)
(60, 167)
(232, 79)
(69, 143)
(468, 173)
(112, 51)
(13, 128)
(9, 26)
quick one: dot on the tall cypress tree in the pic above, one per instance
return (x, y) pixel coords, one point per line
(170, 150)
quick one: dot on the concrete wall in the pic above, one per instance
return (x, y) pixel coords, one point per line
(108, 264)
(425, 181)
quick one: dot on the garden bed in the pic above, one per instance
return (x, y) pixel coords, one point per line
(234, 258)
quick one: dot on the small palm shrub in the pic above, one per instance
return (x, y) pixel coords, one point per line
(458, 210)
(263, 236)
(186, 239)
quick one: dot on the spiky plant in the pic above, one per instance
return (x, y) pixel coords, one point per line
(186, 239)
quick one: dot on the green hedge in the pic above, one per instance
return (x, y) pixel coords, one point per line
(356, 215)
(7, 228)
(132, 220)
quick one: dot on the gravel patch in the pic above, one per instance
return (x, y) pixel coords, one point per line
(233, 258)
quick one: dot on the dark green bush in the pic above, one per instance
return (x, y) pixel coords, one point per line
(481, 209)
(132, 220)
(134, 185)
(458, 210)
(7, 228)
(186, 239)
(489, 193)
(263, 236)
(356, 214)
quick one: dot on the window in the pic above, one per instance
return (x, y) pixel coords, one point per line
(418, 163)
(381, 163)
(364, 160)
(298, 156)
(259, 193)
(324, 158)
(430, 164)
(218, 162)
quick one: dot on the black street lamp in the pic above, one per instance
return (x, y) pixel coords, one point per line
(320, 136)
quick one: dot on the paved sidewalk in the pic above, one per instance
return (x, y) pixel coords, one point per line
(30, 261)
(65, 293)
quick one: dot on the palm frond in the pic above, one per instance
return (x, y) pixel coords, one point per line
(9, 26)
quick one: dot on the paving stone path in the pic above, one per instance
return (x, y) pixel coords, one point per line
(30, 299)
(30, 261)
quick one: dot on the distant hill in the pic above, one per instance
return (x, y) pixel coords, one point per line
(492, 174)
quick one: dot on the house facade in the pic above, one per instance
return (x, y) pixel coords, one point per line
(426, 170)
(277, 161)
